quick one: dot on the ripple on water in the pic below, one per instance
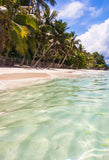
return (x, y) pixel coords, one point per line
(61, 119)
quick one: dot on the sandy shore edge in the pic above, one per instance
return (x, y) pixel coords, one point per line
(12, 78)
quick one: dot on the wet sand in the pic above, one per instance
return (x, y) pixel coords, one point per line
(11, 78)
(16, 76)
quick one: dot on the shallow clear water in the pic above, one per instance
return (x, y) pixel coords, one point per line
(61, 119)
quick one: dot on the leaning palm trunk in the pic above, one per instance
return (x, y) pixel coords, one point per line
(33, 61)
(23, 60)
(63, 60)
(60, 61)
(43, 55)
(52, 65)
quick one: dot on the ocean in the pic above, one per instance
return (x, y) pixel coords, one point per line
(58, 120)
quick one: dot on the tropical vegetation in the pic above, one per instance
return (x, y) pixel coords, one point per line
(31, 35)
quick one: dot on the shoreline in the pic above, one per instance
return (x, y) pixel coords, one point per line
(14, 78)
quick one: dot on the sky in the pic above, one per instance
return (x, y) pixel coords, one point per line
(90, 21)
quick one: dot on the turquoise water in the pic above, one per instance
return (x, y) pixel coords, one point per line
(61, 119)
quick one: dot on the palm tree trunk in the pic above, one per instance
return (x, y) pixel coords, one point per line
(33, 61)
(64, 59)
(43, 55)
(38, 8)
(6, 57)
(22, 62)
(54, 58)
(60, 60)
(2, 38)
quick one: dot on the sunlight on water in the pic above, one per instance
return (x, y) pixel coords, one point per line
(59, 120)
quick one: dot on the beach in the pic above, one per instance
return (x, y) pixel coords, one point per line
(12, 78)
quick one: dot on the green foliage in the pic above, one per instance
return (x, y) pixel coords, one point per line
(80, 60)
(19, 35)
(100, 62)
(21, 31)
(28, 20)
(19, 43)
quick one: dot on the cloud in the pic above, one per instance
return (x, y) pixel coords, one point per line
(97, 38)
(77, 9)
(95, 12)
(73, 10)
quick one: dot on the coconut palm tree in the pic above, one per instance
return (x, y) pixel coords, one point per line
(42, 37)
(45, 36)
(70, 46)
(15, 28)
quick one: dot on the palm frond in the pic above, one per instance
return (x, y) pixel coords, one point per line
(53, 15)
(19, 36)
(19, 43)
(20, 30)
(29, 20)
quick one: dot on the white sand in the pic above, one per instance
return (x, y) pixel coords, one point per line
(11, 78)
